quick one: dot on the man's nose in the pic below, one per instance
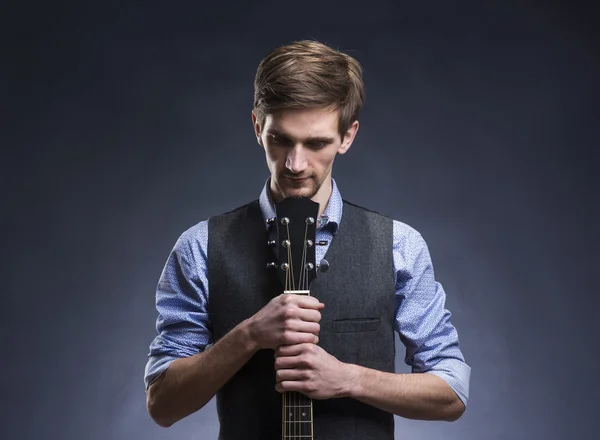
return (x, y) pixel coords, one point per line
(296, 160)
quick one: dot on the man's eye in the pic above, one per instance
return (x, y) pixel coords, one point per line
(317, 145)
(277, 140)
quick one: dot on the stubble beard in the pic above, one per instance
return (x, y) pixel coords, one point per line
(291, 191)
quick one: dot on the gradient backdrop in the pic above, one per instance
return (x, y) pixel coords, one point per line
(125, 124)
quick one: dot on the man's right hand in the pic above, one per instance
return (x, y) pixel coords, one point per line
(286, 320)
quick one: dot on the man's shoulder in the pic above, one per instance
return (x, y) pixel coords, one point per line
(193, 238)
(369, 211)
(347, 203)
(200, 229)
(236, 211)
(401, 230)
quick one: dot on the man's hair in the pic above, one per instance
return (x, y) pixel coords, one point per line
(309, 74)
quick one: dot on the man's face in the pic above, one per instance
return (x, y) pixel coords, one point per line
(300, 147)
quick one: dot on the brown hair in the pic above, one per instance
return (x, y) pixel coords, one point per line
(309, 74)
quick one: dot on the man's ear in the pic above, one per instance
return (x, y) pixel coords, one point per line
(257, 129)
(348, 138)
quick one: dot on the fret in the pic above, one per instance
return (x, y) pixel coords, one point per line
(298, 406)
(297, 421)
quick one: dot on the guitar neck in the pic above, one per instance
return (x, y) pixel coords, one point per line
(294, 249)
(297, 414)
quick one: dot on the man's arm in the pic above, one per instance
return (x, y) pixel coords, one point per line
(423, 323)
(184, 330)
(309, 369)
(189, 383)
(437, 388)
(184, 371)
(413, 396)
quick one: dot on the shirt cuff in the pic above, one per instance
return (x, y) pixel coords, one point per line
(457, 374)
(156, 367)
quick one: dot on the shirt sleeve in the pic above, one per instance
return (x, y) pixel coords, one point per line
(183, 324)
(422, 321)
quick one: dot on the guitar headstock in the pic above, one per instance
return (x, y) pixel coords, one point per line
(296, 223)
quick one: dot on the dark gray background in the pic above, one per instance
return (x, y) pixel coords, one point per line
(124, 124)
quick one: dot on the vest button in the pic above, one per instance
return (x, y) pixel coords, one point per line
(323, 266)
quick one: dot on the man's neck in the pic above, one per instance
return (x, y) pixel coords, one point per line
(323, 195)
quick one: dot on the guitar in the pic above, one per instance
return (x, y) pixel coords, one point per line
(296, 223)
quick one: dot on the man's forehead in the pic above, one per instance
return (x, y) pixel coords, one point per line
(304, 122)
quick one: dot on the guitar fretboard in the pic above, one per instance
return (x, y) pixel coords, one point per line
(297, 414)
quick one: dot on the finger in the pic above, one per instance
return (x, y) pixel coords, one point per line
(307, 302)
(308, 315)
(299, 326)
(282, 363)
(291, 298)
(290, 338)
(292, 385)
(292, 350)
(292, 374)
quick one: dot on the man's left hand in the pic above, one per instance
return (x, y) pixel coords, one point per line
(310, 370)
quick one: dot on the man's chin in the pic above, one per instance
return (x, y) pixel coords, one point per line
(286, 187)
(299, 192)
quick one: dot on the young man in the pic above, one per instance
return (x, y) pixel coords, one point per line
(224, 327)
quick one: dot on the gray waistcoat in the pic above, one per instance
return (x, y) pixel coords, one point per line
(356, 323)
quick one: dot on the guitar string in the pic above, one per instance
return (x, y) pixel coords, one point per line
(303, 260)
(297, 422)
(290, 262)
(291, 286)
(306, 287)
(303, 286)
(286, 396)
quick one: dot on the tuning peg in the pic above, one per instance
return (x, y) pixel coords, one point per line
(272, 243)
(271, 221)
(272, 265)
(323, 266)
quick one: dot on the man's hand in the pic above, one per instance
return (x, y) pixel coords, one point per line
(309, 369)
(287, 319)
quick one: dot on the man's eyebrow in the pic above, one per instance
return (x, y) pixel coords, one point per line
(273, 132)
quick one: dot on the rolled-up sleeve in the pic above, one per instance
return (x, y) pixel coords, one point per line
(422, 321)
(183, 324)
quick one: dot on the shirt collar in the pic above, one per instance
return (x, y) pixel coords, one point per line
(333, 211)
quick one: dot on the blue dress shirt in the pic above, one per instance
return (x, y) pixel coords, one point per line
(422, 322)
